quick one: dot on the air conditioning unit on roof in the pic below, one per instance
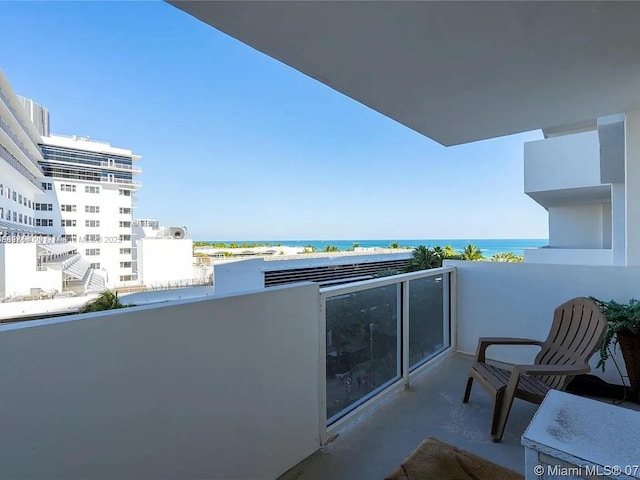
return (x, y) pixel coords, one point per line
(177, 233)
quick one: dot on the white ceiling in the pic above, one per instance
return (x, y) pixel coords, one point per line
(455, 71)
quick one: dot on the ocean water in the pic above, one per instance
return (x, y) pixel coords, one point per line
(488, 247)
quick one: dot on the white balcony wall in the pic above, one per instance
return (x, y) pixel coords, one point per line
(580, 226)
(518, 300)
(558, 163)
(216, 388)
(569, 256)
(238, 276)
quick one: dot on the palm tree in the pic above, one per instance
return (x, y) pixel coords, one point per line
(331, 248)
(107, 300)
(471, 252)
(507, 257)
(449, 252)
(424, 258)
(394, 245)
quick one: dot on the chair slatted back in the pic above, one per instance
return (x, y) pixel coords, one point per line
(577, 331)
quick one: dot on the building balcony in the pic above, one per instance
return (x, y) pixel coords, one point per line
(570, 256)
(4, 126)
(121, 167)
(121, 181)
(565, 169)
(257, 385)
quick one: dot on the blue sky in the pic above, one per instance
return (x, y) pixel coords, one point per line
(238, 146)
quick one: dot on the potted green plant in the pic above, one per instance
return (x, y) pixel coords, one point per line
(623, 328)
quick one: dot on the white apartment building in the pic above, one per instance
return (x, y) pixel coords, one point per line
(65, 206)
(20, 192)
(88, 199)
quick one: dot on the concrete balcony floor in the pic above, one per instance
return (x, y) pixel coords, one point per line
(373, 445)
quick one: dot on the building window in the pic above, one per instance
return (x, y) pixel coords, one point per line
(125, 251)
(125, 193)
(125, 224)
(95, 265)
(8, 214)
(126, 211)
(15, 216)
(1, 189)
(29, 203)
(92, 238)
(30, 220)
(20, 198)
(125, 264)
(8, 193)
(92, 251)
(88, 189)
(68, 223)
(67, 208)
(20, 218)
(47, 186)
(125, 238)
(125, 278)
(68, 237)
(45, 207)
(67, 187)
(92, 209)
(92, 223)
(15, 196)
(44, 222)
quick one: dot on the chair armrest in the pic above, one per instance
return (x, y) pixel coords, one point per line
(519, 370)
(552, 369)
(484, 342)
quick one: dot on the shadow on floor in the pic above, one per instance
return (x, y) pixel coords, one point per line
(372, 446)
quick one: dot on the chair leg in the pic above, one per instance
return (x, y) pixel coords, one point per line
(505, 408)
(497, 408)
(467, 390)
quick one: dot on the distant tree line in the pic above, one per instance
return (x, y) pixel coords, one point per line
(423, 257)
(432, 257)
(235, 244)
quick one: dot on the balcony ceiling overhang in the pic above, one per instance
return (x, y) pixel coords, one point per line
(456, 72)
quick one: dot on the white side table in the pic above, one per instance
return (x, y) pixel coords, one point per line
(575, 438)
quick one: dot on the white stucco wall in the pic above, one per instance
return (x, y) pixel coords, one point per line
(518, 300)
(18, 271)
(569, 256)
(568, 161)
(215, 388)
(164, 261)
(579, 226)
(632, 186)
(238, 276)
(618, 235)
